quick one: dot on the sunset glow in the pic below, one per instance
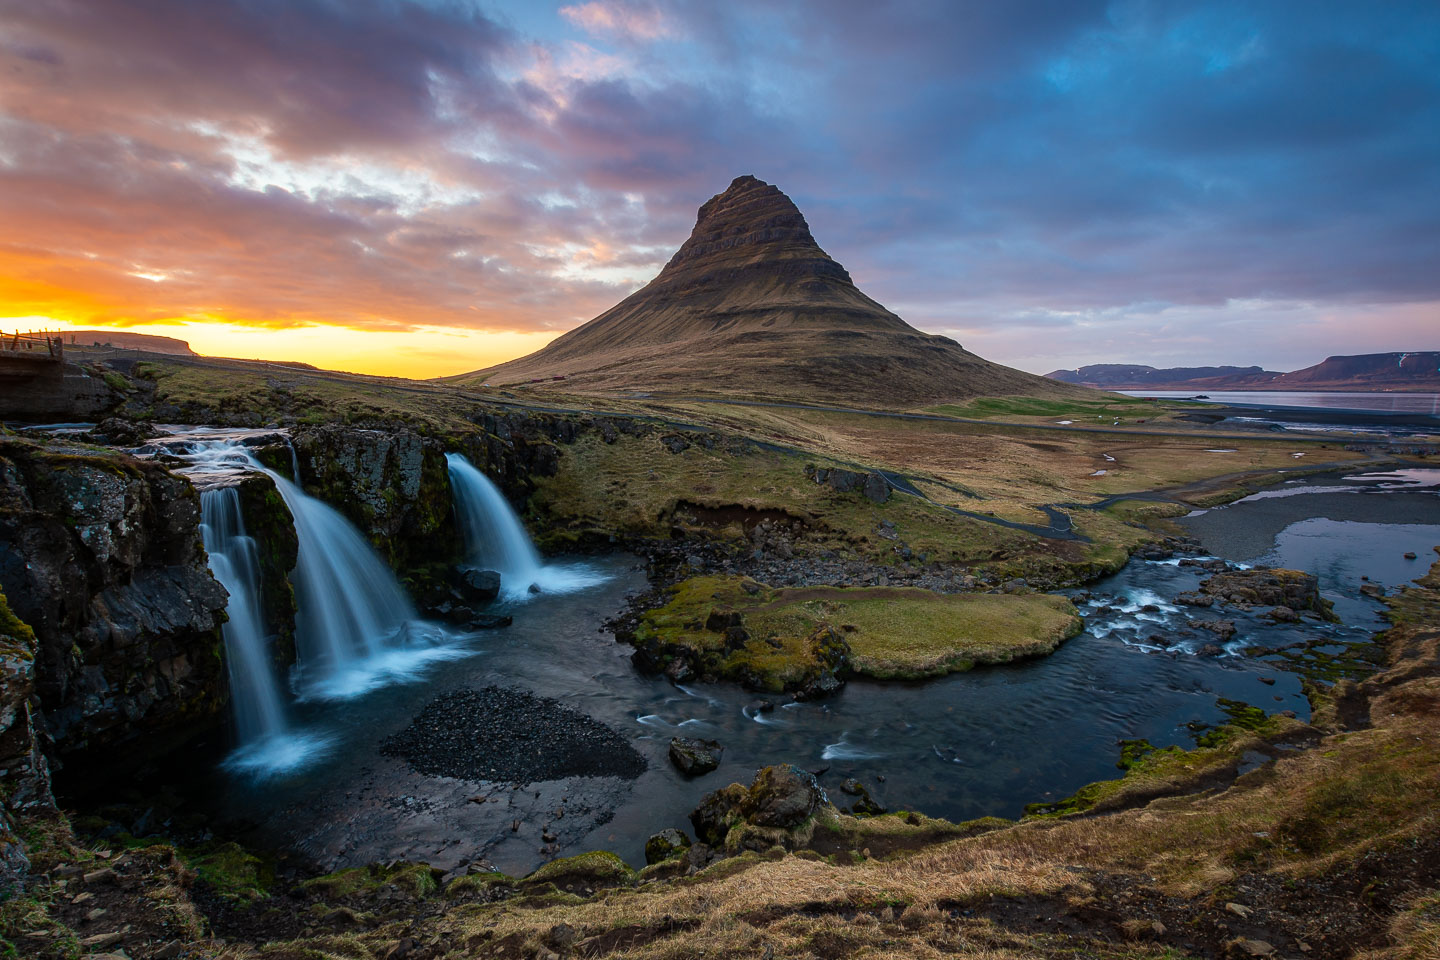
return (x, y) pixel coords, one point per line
(420, 188)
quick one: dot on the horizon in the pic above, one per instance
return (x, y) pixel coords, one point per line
(423, 189)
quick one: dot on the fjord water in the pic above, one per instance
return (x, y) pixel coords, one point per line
(980, 743)
(495, 539)
(1370, 402)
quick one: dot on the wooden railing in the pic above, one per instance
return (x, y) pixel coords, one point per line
(45, 347)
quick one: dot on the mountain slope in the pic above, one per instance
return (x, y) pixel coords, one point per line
(751, 306)
(1370, 371)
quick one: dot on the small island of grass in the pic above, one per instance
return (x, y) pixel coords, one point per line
(782, 640)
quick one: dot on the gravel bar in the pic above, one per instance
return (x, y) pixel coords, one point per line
(500, 735)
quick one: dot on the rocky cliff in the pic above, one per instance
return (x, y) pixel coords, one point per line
(100, 555)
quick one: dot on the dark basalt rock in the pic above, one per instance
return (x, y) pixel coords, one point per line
(101, 555)
(1269, 588)
(694, 757)
(865, 804)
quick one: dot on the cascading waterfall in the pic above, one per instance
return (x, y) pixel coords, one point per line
(496, 540)
(494, 536)
(350, 605)
(234, 560)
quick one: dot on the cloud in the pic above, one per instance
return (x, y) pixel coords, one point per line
(633, 20)
(1005, 170)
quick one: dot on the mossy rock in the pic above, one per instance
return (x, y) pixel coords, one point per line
(481, 886)
(232, 871)
(596, 869)
(417, 879)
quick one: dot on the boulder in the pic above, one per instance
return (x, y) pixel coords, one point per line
(479, 586)
(694, 757)
(669, 844)
(777, 809)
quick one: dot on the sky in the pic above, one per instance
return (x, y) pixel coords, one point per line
(425, 187)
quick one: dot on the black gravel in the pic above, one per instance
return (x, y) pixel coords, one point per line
(510, 736)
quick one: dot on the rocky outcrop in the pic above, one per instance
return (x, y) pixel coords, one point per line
(777, 809)
(873, 485)
(393, 484)
(101, 556)
(1293, 589)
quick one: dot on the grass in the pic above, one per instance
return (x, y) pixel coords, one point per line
(892, 632)
(636, 487)
(1106, 406)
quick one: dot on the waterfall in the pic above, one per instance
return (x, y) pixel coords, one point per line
(350, 605)
(496, 540)
(494, 536)
(234, 561)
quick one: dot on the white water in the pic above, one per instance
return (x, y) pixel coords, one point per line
(267, 744)
(355, 627)
(254, 690)
(496, 540)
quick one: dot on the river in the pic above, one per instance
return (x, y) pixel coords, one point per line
(980, 743)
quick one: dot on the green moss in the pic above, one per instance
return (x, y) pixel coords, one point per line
(1148, 769)
(596, 868)
(232, 871)
(891, 632)
(486, 886)
(16, 637)
(417, 879)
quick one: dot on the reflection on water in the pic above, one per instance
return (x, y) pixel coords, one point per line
(1376, 402)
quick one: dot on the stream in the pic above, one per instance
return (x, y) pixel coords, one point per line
(974, 744)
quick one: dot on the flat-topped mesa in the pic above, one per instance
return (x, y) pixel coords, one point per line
(751, 306)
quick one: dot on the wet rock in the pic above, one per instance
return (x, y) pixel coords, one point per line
(1283, 615)
(1224, 629)
(1373, 590)
(669, 844)
(694, 757)
(119, 432)
(865, 804)
(100, 555)
(1409, 555)
(480, 586)
(1269, 587)
(1210, 650)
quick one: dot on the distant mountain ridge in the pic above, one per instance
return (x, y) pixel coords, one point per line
(1417, 371)
(750, 306)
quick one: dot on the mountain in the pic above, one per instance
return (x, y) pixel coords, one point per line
(1370, 371)
(751, 306)
(1135, 376)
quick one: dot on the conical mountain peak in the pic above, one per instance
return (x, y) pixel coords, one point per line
(751, 306)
